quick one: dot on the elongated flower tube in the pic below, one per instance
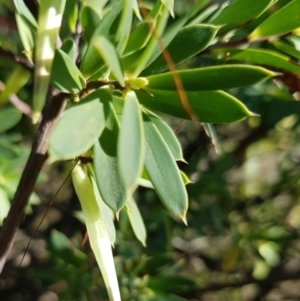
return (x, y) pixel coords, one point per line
(97, 231)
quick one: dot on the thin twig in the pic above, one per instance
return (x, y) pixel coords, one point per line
(17, 59)
(17, 102)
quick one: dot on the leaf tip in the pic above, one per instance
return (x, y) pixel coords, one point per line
(183, 218)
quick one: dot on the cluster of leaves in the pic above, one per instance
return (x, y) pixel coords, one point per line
(121, 75)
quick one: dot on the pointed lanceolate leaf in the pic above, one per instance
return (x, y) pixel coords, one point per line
(286, 48)
(211, 78)
(169, 4)
(69, 48)
(168, 136)
(139, 37)
(241, 12)
(188, 42)
(136, 9)
(92, 61)
(131, 141)
(27, 33)
(80, 127)
(136, 221)
(163, 171)
(108, 179)
(124, 26)
(209, 106)
(65, 76)
(261, 57)
(283, 21)
(109, 55)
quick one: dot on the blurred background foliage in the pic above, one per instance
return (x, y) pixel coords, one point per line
(242, 240)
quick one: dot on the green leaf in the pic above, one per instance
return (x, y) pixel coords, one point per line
(92, 61)
(69, 48)
(139, 37)
(23, 10)
(136, 9)
(211, 78)
(136, 221)
(283, 21)
(124, 26)
(131, 142)
(16, 80)
(169, 4)
(163, 171)
(89, 21)
(91, 16)
(71, 14)
(241, 12)
(171, 284)
(153, 46)
(108, 179)
(65, 76)
(27, 33)
(9, 117)
(168, 136)
(109, 55)
(141, 59)
(209, 106)
(49, 22)
(288, 49)
(80, 127)
(188, 42)
(260, 57)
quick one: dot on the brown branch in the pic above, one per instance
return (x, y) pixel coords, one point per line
(36, 160)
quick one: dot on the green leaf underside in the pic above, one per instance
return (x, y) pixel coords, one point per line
(9, 117)
(111, 187)
(139, 37)
(124, 26)
(163, 171)
(211, 78)
(240, 12)
(283, 21)
(188, 42)
(108, 53)
(136, 221)
(168, 136)
(131, 141)
(65, 76)
(27, 32)
(209, 106)
(262, 57)
(92, 61)
(23, 10)
(80, 127)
